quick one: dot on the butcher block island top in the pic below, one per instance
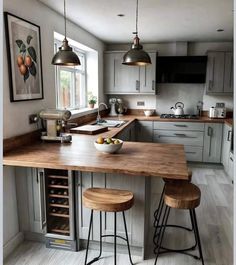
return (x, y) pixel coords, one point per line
(135, 158)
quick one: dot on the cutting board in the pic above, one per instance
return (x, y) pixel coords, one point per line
(89, 129)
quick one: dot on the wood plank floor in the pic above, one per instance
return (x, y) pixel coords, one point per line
(215, 219)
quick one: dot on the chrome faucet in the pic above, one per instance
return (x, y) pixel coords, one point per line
(98, 116)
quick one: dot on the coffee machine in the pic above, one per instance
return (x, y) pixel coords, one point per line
(55, 122)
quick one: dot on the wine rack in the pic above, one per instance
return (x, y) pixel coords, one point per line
(59, 199)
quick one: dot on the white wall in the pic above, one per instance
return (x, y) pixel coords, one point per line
(16, 114)
(168, 94)
(49, 21)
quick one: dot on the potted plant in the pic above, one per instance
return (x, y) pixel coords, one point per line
(92, 101)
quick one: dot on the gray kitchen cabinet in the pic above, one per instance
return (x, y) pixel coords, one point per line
(128, 133)
(134, 216)
(144, 131)
(190, 134)
(30, 190)
(118, 78)
(212, 142)
(123, 79)
(219, 77)
(148, 76)
(226, 145)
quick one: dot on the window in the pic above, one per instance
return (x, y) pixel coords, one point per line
(71, 82)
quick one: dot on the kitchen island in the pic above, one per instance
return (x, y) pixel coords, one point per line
(131, 168)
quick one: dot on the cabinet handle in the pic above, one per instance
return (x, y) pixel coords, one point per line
(180, 134)
(191, 153)
(153, 84)
(229, 136)
(137, 84)
(231, 159)
(209, 131)
(180, 125)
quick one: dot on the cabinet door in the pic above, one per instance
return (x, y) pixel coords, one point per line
(228, 73)
(30, 189)
(215, 72)
(148, 76)
(226, 143)
(212, 142)
(144, 131)
(84, 181)
(119, 78)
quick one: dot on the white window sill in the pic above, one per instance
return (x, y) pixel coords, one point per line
(82, 112)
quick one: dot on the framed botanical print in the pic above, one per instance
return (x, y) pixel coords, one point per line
(24, 58)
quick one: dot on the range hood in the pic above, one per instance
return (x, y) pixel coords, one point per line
(181, 69)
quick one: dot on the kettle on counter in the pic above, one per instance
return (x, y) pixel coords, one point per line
(178, 109)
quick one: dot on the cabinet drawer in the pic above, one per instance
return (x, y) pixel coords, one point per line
(176, 137)
(180, 126)
(193, 153)
(145, 123)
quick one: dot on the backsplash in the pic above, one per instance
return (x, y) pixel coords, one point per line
(169, 94)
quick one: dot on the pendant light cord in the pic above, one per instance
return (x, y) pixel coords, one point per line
(65, 16)
(137, 18)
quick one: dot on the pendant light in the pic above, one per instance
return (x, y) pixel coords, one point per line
(136, 55)
(65, 56)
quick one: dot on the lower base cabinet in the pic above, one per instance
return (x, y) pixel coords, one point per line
(31, 201)
(212, 142)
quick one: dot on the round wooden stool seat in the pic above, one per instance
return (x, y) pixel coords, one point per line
(108, 200)
(182, 195)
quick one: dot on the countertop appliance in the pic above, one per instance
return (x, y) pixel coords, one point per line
(173, 116)
(178, 109)
(113, 102)
(219, 111)
(54, 119)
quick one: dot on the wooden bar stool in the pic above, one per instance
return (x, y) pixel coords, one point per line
(107, 200)
(180, 195)
(157, 214)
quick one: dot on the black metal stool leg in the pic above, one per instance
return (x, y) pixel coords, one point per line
(197, 235)
(90, 226)
(114, 238)
(162, 231)
(158, 218)
(127, 239)
(158, 208)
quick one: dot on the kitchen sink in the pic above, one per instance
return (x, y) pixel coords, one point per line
(110, 123)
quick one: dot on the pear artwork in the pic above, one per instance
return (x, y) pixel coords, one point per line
(27, 58)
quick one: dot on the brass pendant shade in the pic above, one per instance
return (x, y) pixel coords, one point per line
(65, 56)
(136, 55)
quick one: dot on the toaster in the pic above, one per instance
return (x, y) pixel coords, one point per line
(220, 112)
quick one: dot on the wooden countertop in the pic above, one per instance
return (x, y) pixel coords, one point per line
(146, 159)
(158, 118)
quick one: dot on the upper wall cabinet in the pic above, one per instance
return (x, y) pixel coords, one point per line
(123, 79)
(219, 73)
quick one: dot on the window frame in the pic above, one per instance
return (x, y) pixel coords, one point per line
(74, 70)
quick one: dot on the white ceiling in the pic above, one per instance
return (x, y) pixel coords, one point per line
(159, 20)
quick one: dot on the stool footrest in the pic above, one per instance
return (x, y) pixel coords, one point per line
(121, 237)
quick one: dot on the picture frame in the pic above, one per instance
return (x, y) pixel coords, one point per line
(24, 56)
